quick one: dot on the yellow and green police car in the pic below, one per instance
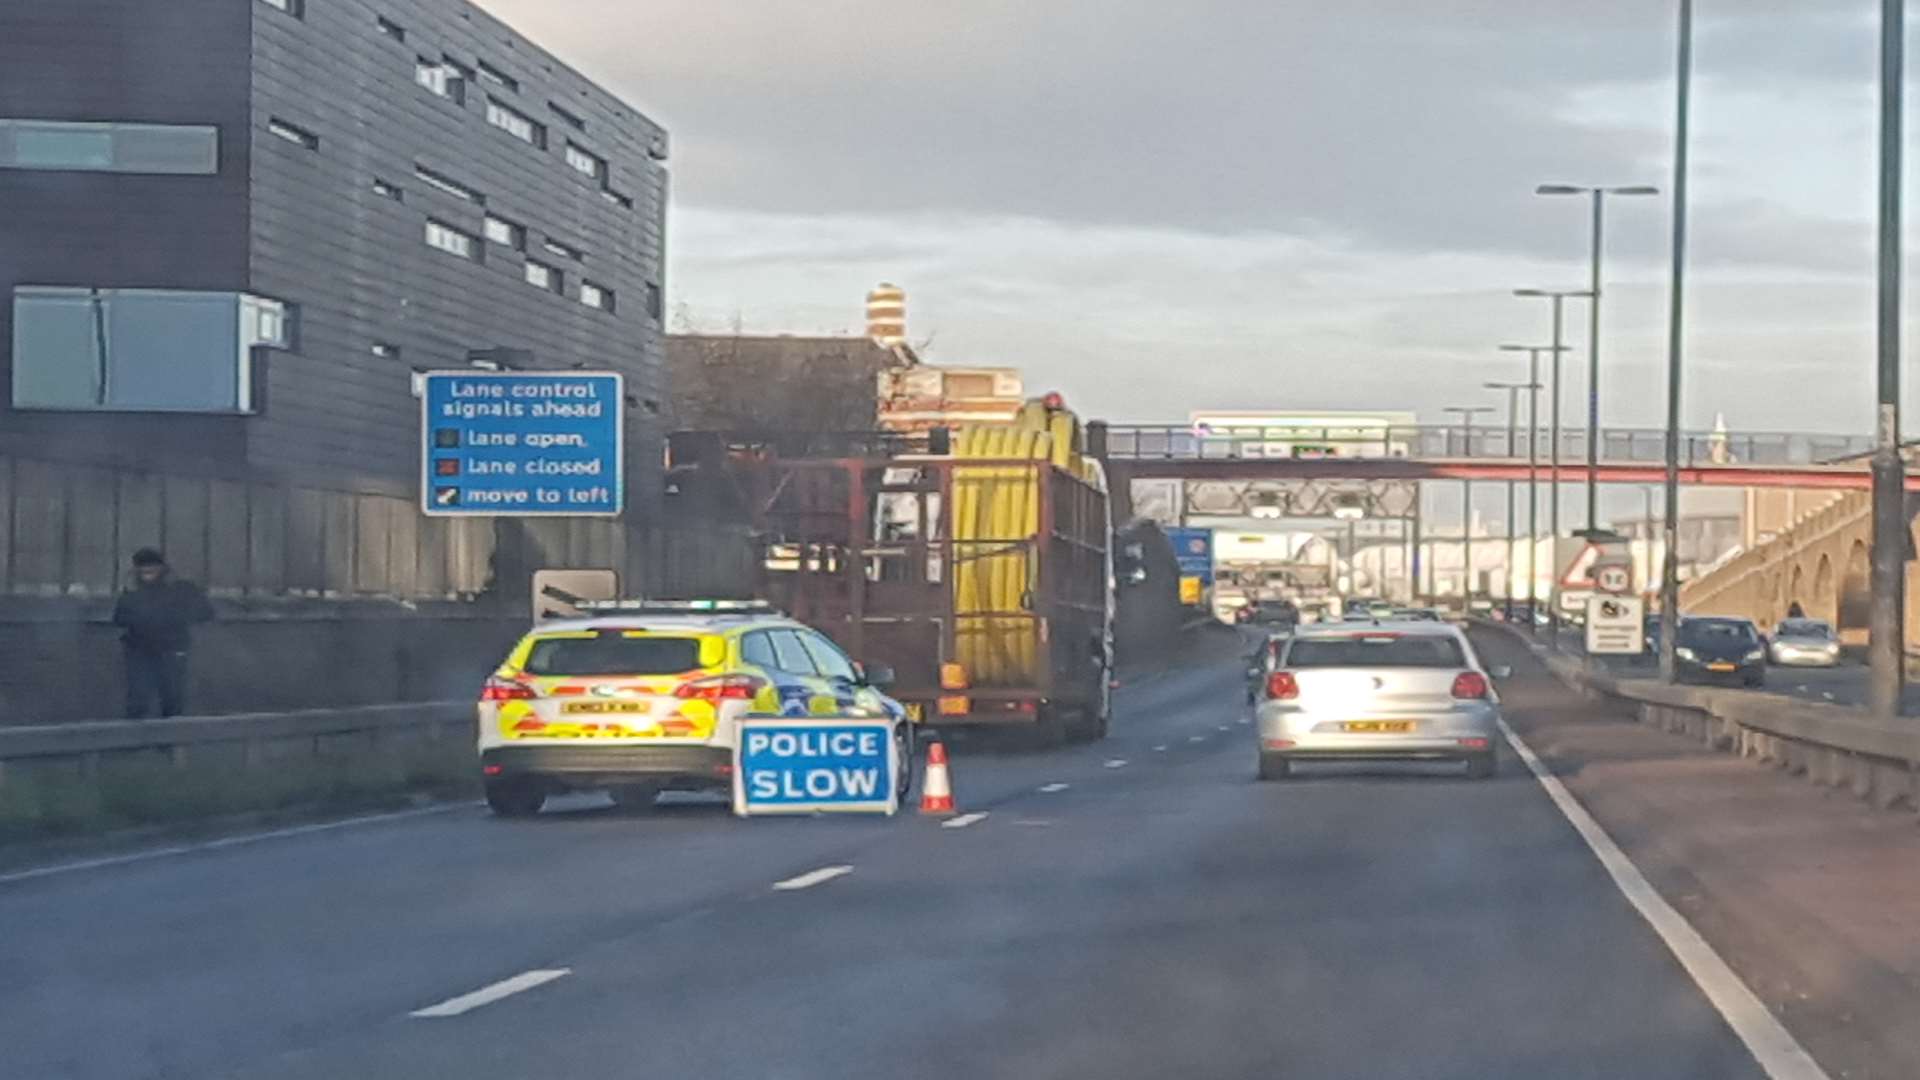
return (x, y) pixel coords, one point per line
(641, 698)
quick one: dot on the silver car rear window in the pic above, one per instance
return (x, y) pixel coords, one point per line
(1376, 650)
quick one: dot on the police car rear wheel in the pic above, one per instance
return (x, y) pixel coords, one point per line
(903, 749)
(515, 798)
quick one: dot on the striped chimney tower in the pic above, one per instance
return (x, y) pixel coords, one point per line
(887, 315)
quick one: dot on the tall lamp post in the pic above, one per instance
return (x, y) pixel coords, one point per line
(1676, 340)
(1466, 413)
(1513, 451)
(1533, 473)
(1888, 567)
(1558, 298)
(1599, 196)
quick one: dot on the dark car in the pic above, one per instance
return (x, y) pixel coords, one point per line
(1718, 649)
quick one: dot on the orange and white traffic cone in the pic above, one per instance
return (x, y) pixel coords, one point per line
(936, 789)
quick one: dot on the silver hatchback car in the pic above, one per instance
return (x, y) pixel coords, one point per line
(1377, 692)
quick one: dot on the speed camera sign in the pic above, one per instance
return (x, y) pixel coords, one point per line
(1613, 579)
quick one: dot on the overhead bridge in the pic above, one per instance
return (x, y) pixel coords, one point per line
(1627, 456)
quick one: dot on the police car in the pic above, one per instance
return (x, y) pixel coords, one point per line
(640, 698)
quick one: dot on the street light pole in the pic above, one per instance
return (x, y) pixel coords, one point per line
(1559, 297)
(1676, 342)
(1466, 414)
(1513, 450)
(1533, 476)
(1885, 623)
(1599, 195)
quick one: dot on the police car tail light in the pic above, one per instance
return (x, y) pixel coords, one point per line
(499, 689)
(1282, 686)
(1469, 684)
(722, 688)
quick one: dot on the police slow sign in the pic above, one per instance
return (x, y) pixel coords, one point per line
(822, 764)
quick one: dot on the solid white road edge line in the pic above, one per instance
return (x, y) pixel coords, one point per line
(1770, 1043)
(812, 877)
(1053, 787)
(487, 995)
(224, 842)
(963, 820)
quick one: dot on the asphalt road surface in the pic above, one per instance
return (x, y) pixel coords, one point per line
(1139, 907)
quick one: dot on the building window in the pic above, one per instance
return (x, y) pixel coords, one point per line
(172, 149)
(452, 241)
(563, 250)
(584, 163)
(570, 119)
(504, 232)
(515, 124)
(442, 77)
(596, 297)
(388, 191)
(624, 202)
(295, 8)
(497, 77)
(390, 28)
(293, 134)
(542, 276)
(385, 351)
(449, 185)
(655, 307)
(141, 350)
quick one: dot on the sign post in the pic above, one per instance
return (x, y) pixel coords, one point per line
(522, 443)
(1616, 625)
(815, 765)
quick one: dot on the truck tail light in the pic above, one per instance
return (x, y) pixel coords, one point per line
(953, 676)
(1282, 686)
(499, 689)
(1469, 685)
(722, 688)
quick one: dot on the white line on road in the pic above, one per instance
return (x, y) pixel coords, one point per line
(1222, 727)
(487, 995)
(1116, 763)
(224, 842)
(1778, 1052)
(1053, 787)
(1196, 738)
(1161, 749)
(963, 820)
(812, 877)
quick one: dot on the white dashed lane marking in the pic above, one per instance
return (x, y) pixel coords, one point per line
(812, 877)
(1116, 763)
(1051, 788)
(963, 821)
(487, 995)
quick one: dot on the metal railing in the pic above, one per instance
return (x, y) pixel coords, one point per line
(1617, 445)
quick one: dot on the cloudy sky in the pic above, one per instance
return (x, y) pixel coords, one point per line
(1250, 203)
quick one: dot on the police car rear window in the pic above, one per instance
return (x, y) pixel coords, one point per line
(613, 654)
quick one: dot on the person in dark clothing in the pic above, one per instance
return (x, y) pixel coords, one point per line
(155, 615)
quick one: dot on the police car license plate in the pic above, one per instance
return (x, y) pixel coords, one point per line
(607, 708)
(1380, 727)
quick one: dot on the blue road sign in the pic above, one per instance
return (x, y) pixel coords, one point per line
(801, 766)
(521, 443)
(1193, 551)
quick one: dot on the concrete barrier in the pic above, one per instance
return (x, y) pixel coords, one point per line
(1876, 758)
(260, 737)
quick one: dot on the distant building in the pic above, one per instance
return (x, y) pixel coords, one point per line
(927, 396)
(234, 229)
